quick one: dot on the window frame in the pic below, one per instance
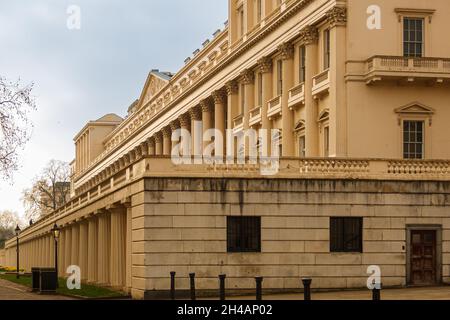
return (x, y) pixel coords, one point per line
(337, 223)
(279, 77)
(413, 42)
(235, 240)
(302, 63)
(326, 49)
(422, 143)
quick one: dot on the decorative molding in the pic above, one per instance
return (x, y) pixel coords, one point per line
(232, 87)
(184, 120)
(415, 109)
(206, 105)
(247, 76)
(174, 125)
(195, 113)
(337, 16)
(286, 50)
(309, 35)
(167, 131)
(265, 64)
(219, 96)
(158, 137)
(401, 12)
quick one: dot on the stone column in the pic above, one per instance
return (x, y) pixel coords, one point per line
(337, 18)
(196, 132)
(67, 249)
(206, 118)
(248, 80)
(83, 250)
(61, 250)
(220, 106)
(232, 88)
(151, 147)
(75, 245)
(310, 37)
(92, 250)
(104, 248)
(118, 247)
(265, 67)
(167, 140)
(129, 244)
(287, 55)
(174, 125)
(158, 144)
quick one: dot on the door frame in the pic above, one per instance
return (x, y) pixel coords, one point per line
(424, 227)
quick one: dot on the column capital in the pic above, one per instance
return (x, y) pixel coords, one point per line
(174, 125)
(309, 35)
(247, 76)
(157, 137)
(337, 16)
(206, 105)
(184, 120)
(265, 64)
(167, 131)
(151, 141)
(218, 96)
(232, 87)
(286, 50)
(195, 113)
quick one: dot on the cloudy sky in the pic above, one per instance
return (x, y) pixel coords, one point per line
(80, 75)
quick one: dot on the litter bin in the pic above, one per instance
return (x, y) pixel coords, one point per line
(36, 279)
(47, 281)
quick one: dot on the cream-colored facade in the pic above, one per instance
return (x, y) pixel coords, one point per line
(363, 113)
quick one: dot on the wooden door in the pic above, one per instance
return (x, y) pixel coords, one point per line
(423, 257)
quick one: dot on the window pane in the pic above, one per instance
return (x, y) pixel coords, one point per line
(346, 234)
(243, 234)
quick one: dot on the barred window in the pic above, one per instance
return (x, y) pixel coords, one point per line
(413, 142)
(413, 37)
(346, 234)
(244, 234)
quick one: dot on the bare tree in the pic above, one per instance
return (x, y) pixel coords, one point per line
(50, 190)
(8, 222)
(16, 102)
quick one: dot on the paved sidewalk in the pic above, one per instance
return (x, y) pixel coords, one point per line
(12, 291)
(428, 293)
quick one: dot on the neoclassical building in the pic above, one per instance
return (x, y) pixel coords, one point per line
(361, 95)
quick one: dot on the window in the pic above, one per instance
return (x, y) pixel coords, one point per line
(326, 141)
(346, 234)
(302, 64)
(413, 37)
(242, 104)
(302, 147)
(280, 77)
(326, 49)
(413, 139)
(241, 21)
(244, 234)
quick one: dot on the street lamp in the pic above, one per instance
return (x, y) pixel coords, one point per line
(17, 250)
(56, 232)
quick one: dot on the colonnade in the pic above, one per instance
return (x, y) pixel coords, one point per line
(100, 244)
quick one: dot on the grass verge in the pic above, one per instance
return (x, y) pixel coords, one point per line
(86, 291)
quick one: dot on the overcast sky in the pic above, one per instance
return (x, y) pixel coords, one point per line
(80, 75)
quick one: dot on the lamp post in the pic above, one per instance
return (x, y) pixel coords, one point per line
(17, 250)
(56, 231)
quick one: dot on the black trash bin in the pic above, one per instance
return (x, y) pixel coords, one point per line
(47, 281)
(36, 279)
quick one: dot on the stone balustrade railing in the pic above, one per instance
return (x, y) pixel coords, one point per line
(286, 168)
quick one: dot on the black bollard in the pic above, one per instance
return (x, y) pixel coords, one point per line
(307, 288)
(172, 285)
(222, 286)
(376, 294)
(259, 281)
(192, 276)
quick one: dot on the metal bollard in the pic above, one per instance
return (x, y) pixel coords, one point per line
(259, 281)
(376, 294)
(222, 278)
(192, 276)
(172, 285)
(307, 288)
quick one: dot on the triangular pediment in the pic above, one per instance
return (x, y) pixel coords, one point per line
(155, 82)
(324, 115)
(300, 125)
(415, 108)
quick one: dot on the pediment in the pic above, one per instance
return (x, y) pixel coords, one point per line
(324, 115)
(415, 108)
(155, 82)
(300, 125)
